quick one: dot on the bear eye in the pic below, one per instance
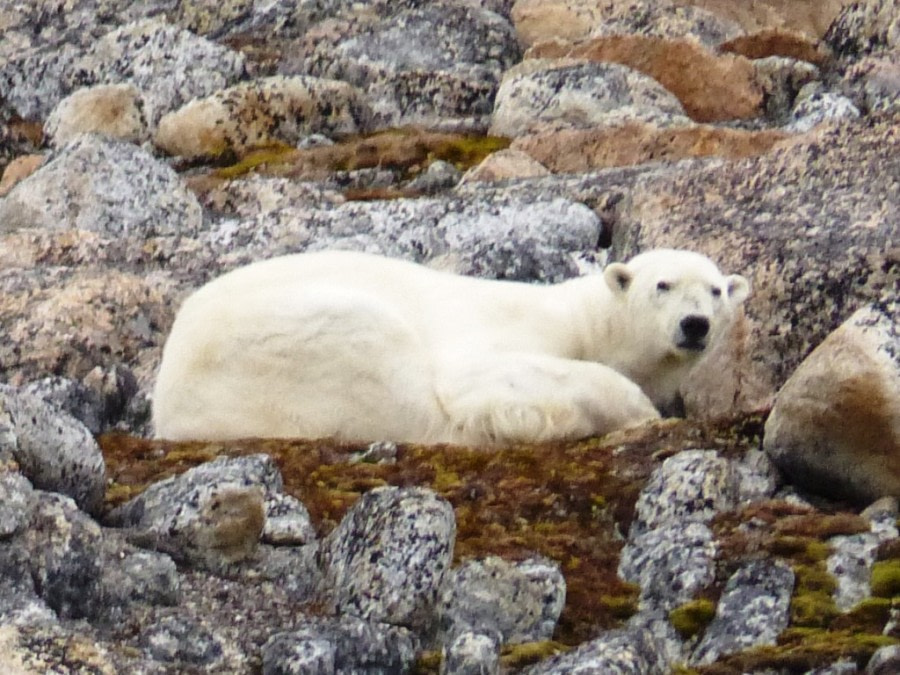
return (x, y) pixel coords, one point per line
(717, 292)
(663, 286)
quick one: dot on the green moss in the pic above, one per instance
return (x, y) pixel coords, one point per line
(806, 550)
(527, 653)
(692, 617)
(869, 616)
(277, 153)
(468, 151)
(428, 663)
(886, 578)
(814, 610)
(813, 578)
(625, 605)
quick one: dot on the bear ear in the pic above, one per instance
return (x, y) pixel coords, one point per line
(618, 277)
(738, 288)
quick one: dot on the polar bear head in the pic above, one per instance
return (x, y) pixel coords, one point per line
(674, 306)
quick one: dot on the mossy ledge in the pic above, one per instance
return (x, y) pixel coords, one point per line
(567, 501)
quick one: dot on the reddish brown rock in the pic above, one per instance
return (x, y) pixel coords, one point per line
(506, 164)
(778, 42)
(711, 87)
(808, 16)
(575, 150)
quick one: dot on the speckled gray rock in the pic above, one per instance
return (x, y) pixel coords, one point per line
(623, 652)
(168, 65)
(97, 401)
(820, 108)
(669, 645)
(758, 477)
(753, 610)
(519, 601)
(16, 497)
(177, 640)
(63, 548)
(835, 427)
(212, 514)
(851, 558)
(471, 654)
(439, 175)
(387, 558)
(505, 238)
(811, 224)
(434, 65)
(693, 485)
(287, 521)
(353, 645)
(573, 94)
(104, 186)
(137, 576)
(54, 450)
(263, 112)
(866, 26)
(884, 661)
(874, 83)
(670, 564)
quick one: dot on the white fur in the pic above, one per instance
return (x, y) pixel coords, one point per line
(361, 347)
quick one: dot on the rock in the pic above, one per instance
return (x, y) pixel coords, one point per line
(287, 521)
(835, 427)
(352, 644)
(692, 486)
(810, 224)
(263, 112)
(388, 557)
(577, 94)
(782, 80)
(620, 651)
(439, 176)
(149, 54)
(103, 186)
(18, 170)
(115, 110)
(78, 318)
(16, 497)
(575, 20)
(752, 612)
(505, 164)
(820, 108)
(176, 640)
(212, 515)
(519, 602)
(711, 87)
(63, 546)
(97, 401)
(874, 83)
(864, 27)
(807, 16)
(504, 238)
(140, 576)
(781, 42)
(671, 564)
(852, 556)
(630, 143)
(471, 654)
(884, 661)
(435, 65)
(54, 450)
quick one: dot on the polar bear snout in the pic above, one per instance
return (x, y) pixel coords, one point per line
(693, 330)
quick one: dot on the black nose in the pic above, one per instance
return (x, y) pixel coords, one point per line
(694, 328)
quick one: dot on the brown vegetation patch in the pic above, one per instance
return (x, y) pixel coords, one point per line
(568, 501)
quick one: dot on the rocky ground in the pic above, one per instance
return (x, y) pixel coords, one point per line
(147, 147)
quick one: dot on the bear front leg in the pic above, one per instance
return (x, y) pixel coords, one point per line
(498, 398)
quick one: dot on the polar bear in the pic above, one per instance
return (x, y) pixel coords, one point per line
(360, 347)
